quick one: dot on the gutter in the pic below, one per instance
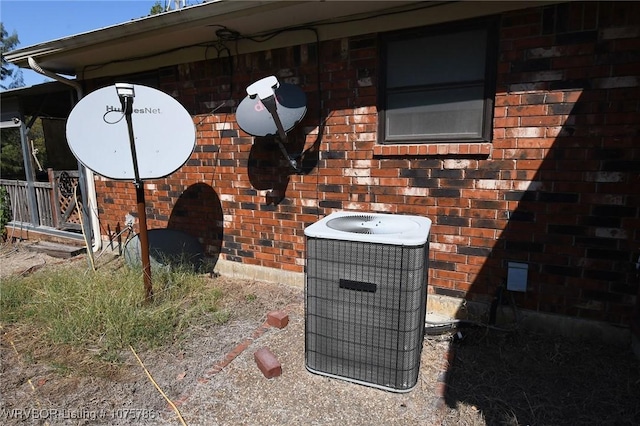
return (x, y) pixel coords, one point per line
(87, 173)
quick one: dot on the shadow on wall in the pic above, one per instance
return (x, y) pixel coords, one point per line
(269, 169)
(198, 213)
(575, 226)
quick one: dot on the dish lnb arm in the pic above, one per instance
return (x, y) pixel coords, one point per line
(265, 90)
(126, 94)
(125, 90)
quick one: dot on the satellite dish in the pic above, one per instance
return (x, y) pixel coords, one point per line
(98, 134)
(102, 136)
(254, 118)
(272, 108)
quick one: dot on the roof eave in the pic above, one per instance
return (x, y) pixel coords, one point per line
(184, 35)
(153, 23)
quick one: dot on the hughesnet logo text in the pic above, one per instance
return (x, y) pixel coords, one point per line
(145, 110)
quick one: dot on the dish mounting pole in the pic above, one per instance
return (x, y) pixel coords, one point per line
(265, 90)
(126, 95)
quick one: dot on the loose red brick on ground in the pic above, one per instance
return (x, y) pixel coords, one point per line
(278, 319)
(268, 363)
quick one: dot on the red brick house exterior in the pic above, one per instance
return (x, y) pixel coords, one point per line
(556, 185)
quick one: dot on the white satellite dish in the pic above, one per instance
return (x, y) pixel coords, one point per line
(132, 132)
(253, 114)
(272, 108)
(98, 134)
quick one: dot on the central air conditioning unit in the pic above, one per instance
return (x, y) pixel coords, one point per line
(366, 297)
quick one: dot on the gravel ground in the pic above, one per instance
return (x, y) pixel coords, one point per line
(240, 394)
(210, 376)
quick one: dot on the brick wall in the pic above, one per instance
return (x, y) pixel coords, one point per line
(557, 188)
(566, 119)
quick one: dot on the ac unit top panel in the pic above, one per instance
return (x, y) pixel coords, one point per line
(383, 228)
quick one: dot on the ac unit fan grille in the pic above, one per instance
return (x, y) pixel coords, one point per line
(365, 309)
(352, 224)
(370, 224)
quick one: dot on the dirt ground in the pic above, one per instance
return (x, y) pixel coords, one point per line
(211, 375)
(477, 377)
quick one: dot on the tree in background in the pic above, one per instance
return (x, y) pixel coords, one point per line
(156, 9)
(11, 159)
(7, 43)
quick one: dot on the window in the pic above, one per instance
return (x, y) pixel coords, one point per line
(438, 84)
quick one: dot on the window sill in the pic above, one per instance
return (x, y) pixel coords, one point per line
(434, 149)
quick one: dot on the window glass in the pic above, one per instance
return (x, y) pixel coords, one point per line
(437, 86)
(445, 113)
(436, 59)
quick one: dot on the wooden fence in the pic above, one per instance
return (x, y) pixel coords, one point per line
(18, 191)
(55, 200)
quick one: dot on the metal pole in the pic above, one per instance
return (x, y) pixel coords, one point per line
(271, 106)
(127, 105)
(144, 244)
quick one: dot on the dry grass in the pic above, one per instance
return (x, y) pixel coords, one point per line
(74, 317)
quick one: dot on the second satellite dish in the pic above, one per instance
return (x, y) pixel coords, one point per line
(98, 136)
(255, 118)
(272, 108)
